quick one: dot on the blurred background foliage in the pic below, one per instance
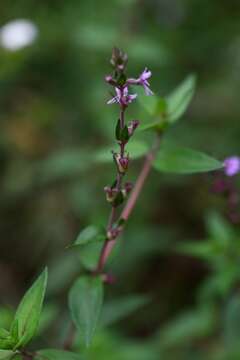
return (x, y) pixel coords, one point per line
(177, 265)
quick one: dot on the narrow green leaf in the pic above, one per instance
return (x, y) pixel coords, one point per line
(124, 134)
(118, 130)
(184, 161)
(29, 310)
(90, 234)
(85, 302)
(52, 354)
(178, 101)
(6, 354)
(201, 249)
(7, 340)
(219, 229)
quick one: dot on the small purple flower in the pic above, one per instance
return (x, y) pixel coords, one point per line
(122, 97)
(232, 165)
(143, 80)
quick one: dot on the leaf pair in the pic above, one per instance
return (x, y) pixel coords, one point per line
(26, 320)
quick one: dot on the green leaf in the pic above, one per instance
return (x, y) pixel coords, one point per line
(89, 254)
(115, 310)
(149, 126)
(118, 130)
(124, 134)
(178, 101)
(149, 103)
(6, 317)
(193, 324)
(7, 341)
(184, 161)
(52, 354)
(201, 249)
(90, 234)
(6, 354)
(219, 229)
(85, 302)
(29, 310)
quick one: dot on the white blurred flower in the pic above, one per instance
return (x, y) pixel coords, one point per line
(17, 34)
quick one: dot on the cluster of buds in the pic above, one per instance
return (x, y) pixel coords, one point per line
(121, 83)
(122, 96)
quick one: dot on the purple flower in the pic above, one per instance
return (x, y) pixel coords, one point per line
(143, 80)
(232, 165)
(122, 97)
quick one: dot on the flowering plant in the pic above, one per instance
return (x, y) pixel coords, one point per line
(86, 294)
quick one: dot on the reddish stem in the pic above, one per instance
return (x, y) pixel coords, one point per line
(109, 244)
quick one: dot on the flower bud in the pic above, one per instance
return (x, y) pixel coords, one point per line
(119, 59)
(111, 193)
(132, 126)
(122, 163)
(113, 233)
(109, 79)
(127, 189)
(108, 278)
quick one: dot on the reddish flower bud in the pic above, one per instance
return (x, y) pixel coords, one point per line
(127, 189)
(122, 163)
(109, 79)
(132, 126)
(113, 233)
(111, 193)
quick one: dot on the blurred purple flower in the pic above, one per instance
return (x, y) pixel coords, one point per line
(232, 165)
(143, 80)
(122, 97)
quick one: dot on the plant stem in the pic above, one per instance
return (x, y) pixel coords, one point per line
(109, 244)
(119, 175)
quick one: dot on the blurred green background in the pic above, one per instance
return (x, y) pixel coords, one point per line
(53, 114)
